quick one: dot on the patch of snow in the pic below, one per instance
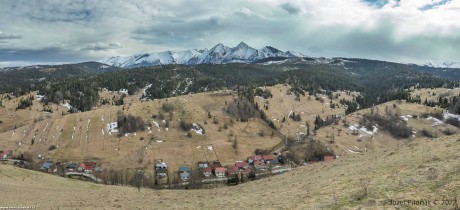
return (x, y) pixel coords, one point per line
(210, 147)
(406, 117)
(67, 105)
(112, 127)
(197, 129)
(436, 121)
(448, 115)
(353, 151)
(40, 97)
(123, 91)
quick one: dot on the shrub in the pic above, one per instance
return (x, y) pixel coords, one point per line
(186, 126)
(52, 147)
(394, 125)
(453, 121)
(428, 133)
(167, 107)
(129, 123)
(449, 132)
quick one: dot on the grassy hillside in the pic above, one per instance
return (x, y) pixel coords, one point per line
(419, 169)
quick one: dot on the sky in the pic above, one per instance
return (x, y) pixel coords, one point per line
(69, 31)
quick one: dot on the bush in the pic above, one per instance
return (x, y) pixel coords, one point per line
(428, 133)
(186, 126)
(453, 121)
(167, 107)
(394, 125)
(129, 123)
(52, 147)
(449, 132)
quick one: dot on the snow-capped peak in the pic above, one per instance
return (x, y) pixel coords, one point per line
(220, 53)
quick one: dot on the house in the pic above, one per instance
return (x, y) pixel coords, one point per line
(328, 157)
(47, 166)
(259, 165)
(215, 164)
(203, 164)
(247, 171)
(88, 166)
(71, 166)
(206, 171)
(274, 162)
(241, 164)
(161, 169)
(253, 158)
(184, 172)
(5, 154)
(220, 172)
(267, 158)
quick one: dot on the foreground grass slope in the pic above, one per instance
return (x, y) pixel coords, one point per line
(420, 169)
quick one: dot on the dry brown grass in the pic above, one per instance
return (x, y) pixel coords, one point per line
(420, 169)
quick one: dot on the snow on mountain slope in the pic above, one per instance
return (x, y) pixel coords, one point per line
(220, 53)
(445, 64)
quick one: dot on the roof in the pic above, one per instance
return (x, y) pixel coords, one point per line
(47, 165)
(220, 170)
(247, 171)
(184, 168)
(267, 157)
(161, 170)
(274, 161)
(241, 164)
(258, 163)
(255, 157)
(72, 165)
(328, 157)
(207, 169)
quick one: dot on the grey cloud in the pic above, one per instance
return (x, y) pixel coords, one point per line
(102, 46)
(9, 36)
(290, 8)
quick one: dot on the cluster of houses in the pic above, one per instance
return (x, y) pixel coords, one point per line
(214, 171)
(83, 167)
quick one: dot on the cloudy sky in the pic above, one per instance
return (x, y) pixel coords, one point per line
(60, 31)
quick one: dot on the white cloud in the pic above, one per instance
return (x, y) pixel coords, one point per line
(399, 30)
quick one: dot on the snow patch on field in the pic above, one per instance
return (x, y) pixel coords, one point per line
(436, 121)
(197, 129)
(449, 115)
(363, 130)
(67, 105)
(406, 117)
(112, 127)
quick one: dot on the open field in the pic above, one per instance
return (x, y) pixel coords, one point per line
(419, 169)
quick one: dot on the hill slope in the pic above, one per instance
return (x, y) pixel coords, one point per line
(421, 169)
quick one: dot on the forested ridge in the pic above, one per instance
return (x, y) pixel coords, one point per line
(377, 81)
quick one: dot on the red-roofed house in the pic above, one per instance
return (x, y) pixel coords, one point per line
(241, 164)
(328, 158)
(267, 157)
(88, 166)
(254, 158)
(5, 154)
(259, 165)
(247, 171)
(206, 171)
(220, 172)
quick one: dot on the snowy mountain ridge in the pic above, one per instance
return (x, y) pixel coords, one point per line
(219, 54)
(444, 64)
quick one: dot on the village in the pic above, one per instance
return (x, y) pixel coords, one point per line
(205, 174)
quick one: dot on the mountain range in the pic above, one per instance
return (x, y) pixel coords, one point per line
(443, 64)
(219, 54)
